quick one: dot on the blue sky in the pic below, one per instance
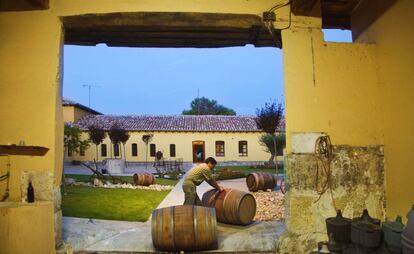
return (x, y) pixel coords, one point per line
(159, 81)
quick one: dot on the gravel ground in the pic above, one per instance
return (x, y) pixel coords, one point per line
(270, 205)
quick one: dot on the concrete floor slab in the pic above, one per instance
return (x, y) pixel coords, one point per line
(121, 236)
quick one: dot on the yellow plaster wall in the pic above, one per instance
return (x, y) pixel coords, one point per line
(393, 35)
(27, 228)
(30, 91)
(331, 87)
(183, 146)
(68, 114)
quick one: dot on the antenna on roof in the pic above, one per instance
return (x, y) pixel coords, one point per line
(198, 101)
(90, 86)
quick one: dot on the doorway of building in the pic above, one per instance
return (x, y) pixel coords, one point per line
(198, 151)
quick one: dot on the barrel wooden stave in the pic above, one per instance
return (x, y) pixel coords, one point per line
(144, 179)
(232, 206)
(260, 181)
(187, 228)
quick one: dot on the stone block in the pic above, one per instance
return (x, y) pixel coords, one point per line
(43, 185)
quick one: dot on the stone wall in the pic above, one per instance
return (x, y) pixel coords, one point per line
(357, 182)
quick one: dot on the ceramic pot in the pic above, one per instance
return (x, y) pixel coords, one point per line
(392, 231)
(339, 228)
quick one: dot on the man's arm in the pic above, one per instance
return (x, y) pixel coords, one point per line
(213, 183)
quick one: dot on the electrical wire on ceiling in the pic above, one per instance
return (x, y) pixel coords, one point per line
(269, 23)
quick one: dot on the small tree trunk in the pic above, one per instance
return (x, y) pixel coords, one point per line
(146, 156)
(274, 143)
(126, 165)
(272, 157)
(96, 152)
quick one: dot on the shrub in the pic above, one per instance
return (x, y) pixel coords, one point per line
(226, 174)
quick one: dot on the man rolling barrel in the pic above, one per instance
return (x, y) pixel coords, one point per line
(195, 177)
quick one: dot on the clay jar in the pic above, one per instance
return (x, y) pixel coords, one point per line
(408, 233)
(339, 228)
(392, 232)
(366, 231)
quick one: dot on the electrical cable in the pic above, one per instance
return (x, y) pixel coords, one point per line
(324, 156)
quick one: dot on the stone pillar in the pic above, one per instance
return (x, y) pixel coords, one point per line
(357, 181)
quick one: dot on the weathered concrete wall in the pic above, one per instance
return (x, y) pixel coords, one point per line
(394, 39)
(357, 182)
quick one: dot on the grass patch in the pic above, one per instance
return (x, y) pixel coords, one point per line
(129, 179)
(110, 204)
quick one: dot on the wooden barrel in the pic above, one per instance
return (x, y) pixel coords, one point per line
(260, 181)
(184, 228)
(144, 179)
(232, 206)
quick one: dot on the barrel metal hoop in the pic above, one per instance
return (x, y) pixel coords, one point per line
(237, 207)
(173, 226)
(195, 226)
(161, 225)
(224, 205)
(206, 224)
(213, 221)
(153, 229)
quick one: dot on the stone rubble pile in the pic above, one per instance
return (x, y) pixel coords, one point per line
(99, 183)
(270, 205)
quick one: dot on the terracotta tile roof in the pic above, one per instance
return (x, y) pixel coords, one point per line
(173, 123)
(68, 102)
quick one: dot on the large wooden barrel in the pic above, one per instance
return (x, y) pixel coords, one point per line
(260, 181)
(184, 228)
(232, 206)
(144, 179)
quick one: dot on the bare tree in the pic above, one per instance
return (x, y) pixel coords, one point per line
(268, 119)
(96, 135)
(147, 138)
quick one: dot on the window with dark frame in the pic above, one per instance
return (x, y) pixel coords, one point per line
(152, 150)
(172, 150)
(116, 150)
(134, 150)
(82, 151)
(103, 150)
(243, 148)
(219, 148)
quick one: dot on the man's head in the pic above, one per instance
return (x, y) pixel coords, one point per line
(211, 162)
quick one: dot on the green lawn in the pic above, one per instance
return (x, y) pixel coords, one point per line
(129, 179)
(110, 204)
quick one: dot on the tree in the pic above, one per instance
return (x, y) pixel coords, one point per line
(268, 119)
(116, 134)
(147, 138)
(123, 138)
(96, 135)
(204, 106)
(72, 139)
(267, 141)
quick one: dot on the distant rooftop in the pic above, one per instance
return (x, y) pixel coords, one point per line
(68, 102)
(200, 123)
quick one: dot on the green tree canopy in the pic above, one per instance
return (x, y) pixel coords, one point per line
(96, 135)
(267, 141)
(204, 106)
(72, 139)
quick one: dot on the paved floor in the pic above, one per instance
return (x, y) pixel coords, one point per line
(104, 235)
